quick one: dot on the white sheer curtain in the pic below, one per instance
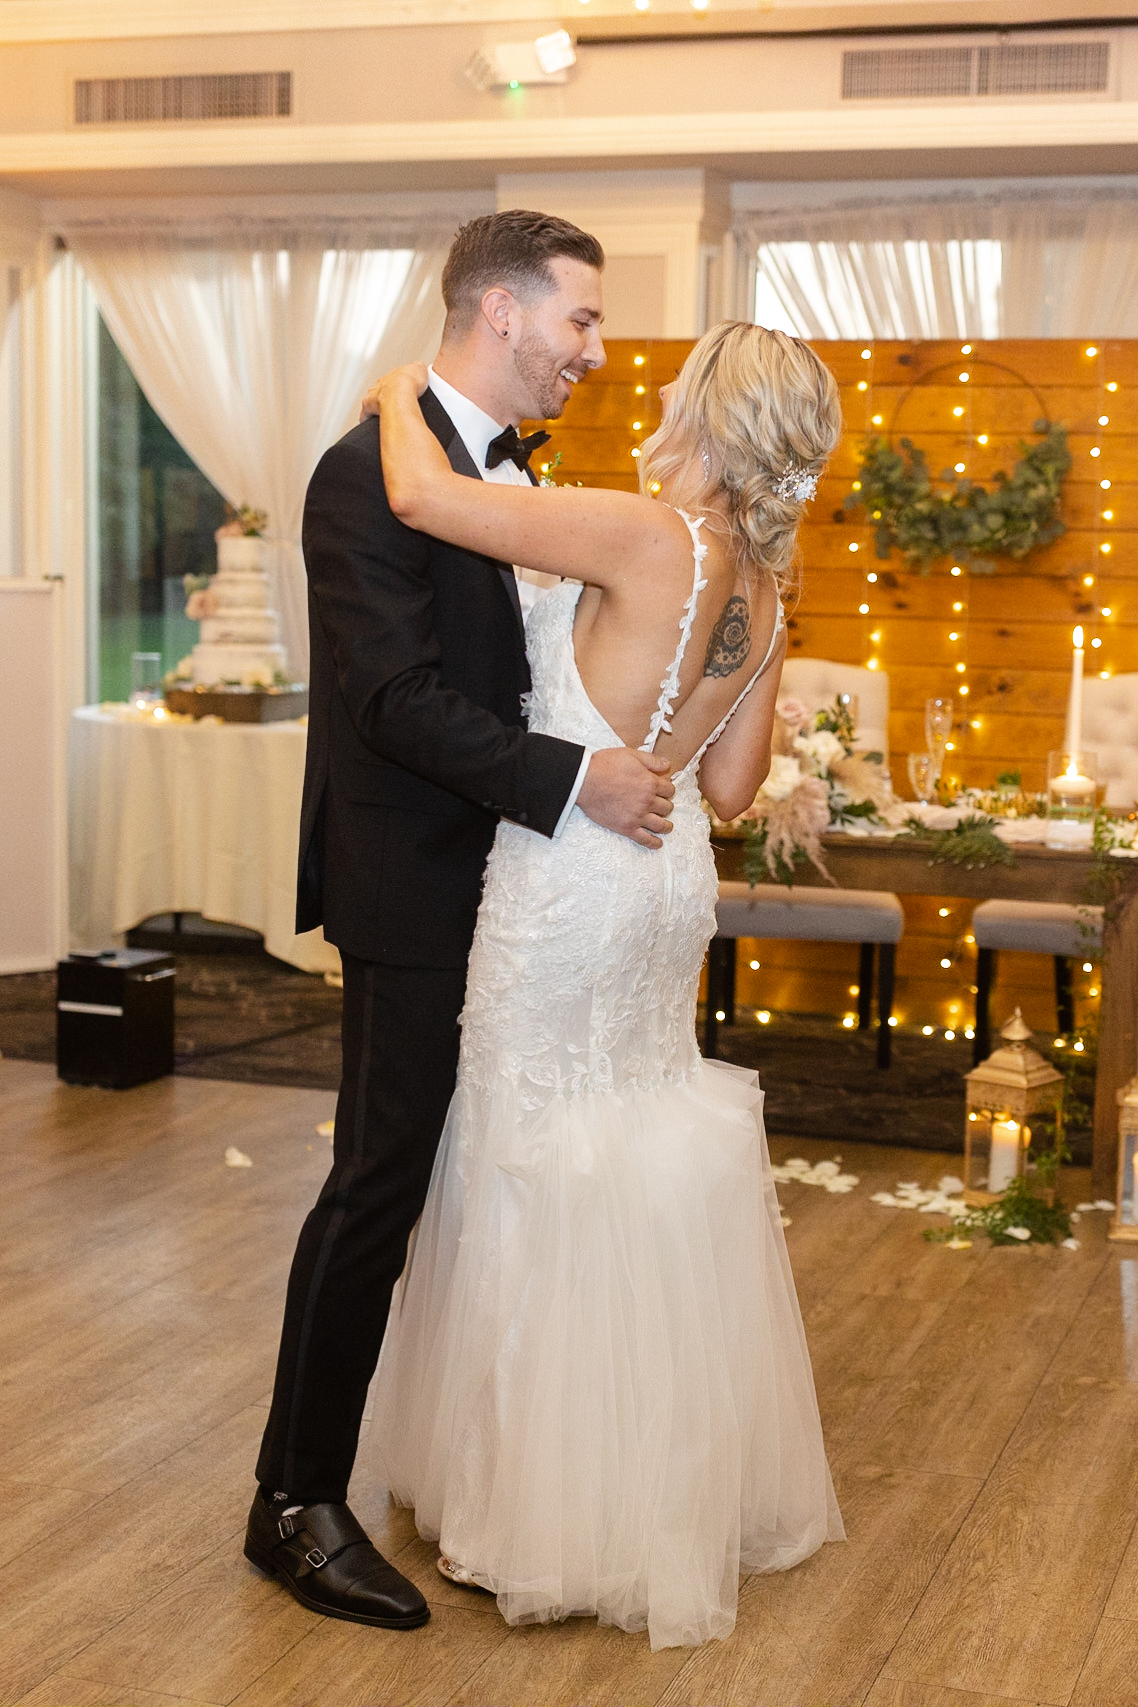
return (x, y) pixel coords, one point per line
(1023, 263)
(254, 346)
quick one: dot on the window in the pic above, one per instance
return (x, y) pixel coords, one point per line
(157, 514)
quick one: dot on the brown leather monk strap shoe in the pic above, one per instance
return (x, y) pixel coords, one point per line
(326, 1560)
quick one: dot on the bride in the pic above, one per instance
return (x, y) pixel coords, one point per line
(594, 1387)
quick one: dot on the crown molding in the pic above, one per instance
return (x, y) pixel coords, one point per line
(111, 20)
(941, 128)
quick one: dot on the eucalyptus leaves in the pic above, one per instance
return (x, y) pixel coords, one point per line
(959, 518)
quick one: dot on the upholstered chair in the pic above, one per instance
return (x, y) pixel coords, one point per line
(870, 917)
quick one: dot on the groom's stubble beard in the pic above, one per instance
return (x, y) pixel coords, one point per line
(539, 377)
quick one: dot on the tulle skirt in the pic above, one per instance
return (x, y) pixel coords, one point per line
(594, 1389)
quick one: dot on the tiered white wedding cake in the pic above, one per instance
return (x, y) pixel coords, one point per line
(240, 631)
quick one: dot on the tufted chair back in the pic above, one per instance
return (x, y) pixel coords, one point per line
(817, 682)
(1110, 729)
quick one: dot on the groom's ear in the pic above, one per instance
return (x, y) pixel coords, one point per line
(499, 308)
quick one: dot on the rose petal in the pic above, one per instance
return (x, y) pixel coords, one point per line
(1018, 1232)
(235, 1158)
(1070, 1244)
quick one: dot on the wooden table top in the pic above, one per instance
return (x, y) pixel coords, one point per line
(904, 867)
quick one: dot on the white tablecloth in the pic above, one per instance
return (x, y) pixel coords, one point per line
(187, 817)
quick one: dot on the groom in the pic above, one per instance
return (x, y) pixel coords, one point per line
(417, 745)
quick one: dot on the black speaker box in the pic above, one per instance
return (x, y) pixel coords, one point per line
(115, 1017)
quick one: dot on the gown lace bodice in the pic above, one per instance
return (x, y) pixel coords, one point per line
(609, 1002)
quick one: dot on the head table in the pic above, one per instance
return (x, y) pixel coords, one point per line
(1039, 874)
(169, 816)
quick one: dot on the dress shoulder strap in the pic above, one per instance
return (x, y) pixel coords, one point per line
(670, 686)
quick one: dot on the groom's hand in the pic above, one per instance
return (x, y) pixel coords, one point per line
(630, 793)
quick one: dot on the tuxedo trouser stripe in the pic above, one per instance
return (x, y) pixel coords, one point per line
(335, 1223)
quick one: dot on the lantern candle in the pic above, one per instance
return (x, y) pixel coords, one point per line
(1003, 1164)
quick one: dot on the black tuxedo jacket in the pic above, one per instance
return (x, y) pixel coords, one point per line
(416, 738)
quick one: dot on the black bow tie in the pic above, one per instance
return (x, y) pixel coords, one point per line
(508, 447)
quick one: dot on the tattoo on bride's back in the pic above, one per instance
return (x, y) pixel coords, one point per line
(730, 643)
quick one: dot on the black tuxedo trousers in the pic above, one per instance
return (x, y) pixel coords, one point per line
(416, 747)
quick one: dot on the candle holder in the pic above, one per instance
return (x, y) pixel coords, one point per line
(1124, 1225)
(1014, 1083)
(1072, 788)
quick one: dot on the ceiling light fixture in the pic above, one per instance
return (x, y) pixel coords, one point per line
(511, 65)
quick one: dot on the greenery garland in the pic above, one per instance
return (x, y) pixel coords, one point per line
(972, 843)
(966, 521)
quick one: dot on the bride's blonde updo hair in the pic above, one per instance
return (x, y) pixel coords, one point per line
(748, 406)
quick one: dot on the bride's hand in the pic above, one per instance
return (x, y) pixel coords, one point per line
(412, 375)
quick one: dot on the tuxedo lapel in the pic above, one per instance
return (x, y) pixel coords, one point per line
(462, 462)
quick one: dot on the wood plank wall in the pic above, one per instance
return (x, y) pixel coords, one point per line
(1012, 629)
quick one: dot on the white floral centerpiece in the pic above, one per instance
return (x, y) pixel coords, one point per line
(817, 782)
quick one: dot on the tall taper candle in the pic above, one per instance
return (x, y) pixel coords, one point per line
(1075, 698)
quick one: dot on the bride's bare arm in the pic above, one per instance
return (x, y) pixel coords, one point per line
(609, 539)
(732, 769)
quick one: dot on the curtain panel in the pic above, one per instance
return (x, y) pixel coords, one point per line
(1031, 264)
(254, 340)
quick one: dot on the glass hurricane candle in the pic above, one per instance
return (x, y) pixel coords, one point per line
(1072, 786)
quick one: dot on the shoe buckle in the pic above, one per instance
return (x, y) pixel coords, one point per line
(286, 1527)
(316, 1558)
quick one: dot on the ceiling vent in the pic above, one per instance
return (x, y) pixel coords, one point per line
(177, 100)
(1028, 68)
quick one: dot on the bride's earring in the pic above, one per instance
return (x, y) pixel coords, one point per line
(705, 458)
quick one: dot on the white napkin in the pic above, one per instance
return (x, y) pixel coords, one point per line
(1013, 831)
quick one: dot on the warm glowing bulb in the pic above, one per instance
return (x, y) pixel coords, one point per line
(982, 439)
(1108, 515)
(863, 610)
(754, 966)
(959, 468)
(863, 385)
(956, 569)
(1105, 547)
(952, 635)
(926, 1031)
(1106, 610)
(960, 690)
(944, 912)
(763, 1016)
(636, 426)
(958, 605)
(872, 576)
(1112, 385)
(950, 746)
(636, 450)
(853, 546)
(949, 1036)
(1104, 420)
(1096, 450)
(964, 379)
(876, 637)
(699, 5)
(1104, 485)
(640, 390)
(960, 669)
(638, 361)
(975, 724)
(893, 1020)
(966, 349)
(946, 963)
(1088, 580)
(1092, 349)
(849, 1021)
(877, 420)
(872, 664)
(959, 410)
(1096, 642)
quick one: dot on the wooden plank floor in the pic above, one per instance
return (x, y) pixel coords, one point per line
(981, 1409)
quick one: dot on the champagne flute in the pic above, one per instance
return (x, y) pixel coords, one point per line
(938, 727)
(924, 768)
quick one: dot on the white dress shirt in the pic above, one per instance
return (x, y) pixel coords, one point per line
(476, 428)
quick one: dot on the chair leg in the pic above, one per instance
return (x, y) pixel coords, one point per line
(886, 965)
(864, 986)
(720, 969)
(1065, 992)
(727, 981)
(985, 978)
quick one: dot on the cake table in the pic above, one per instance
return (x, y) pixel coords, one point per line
(170, 817)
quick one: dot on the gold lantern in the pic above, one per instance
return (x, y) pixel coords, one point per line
(1125, 1222)
(1003, 1092)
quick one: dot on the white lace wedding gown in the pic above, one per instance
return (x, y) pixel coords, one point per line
(594, 1388)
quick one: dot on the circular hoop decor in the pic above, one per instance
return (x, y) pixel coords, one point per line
(959, 518)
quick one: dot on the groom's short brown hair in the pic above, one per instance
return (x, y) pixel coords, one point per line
(511, 249)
